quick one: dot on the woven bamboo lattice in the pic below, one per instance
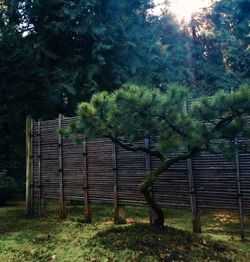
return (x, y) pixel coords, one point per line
(99, 171)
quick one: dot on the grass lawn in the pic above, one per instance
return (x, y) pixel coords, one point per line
(51, 239)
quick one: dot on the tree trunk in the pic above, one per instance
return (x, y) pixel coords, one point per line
(158, 215)
(157, 218)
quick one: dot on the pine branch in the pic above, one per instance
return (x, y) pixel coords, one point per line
(126, 145)
(152, 176)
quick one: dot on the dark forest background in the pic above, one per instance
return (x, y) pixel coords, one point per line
(56, 53)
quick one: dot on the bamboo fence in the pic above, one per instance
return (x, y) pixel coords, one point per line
(99, 171)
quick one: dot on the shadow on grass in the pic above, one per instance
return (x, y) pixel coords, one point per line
(38, 230)
(169, 244)
(15, 224)
(100, 213)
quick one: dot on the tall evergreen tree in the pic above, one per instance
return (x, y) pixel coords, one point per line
(56, 53)
(220, 41)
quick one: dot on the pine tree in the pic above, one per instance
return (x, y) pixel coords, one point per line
(134, 113)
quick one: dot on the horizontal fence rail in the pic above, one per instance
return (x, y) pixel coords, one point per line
(99, 171)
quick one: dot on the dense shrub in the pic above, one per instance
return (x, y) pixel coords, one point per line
(7, 186)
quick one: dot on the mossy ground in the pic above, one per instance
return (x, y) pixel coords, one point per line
(51, 239)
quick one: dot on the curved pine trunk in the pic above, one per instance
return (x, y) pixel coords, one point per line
(158, 215)
(157, 218)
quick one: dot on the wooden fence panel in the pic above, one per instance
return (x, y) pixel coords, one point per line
(216, 182)
(215, 176)
(171, 189)
(88, 169)
(73, 165)
(100, 171)
(49, 159)
(244, 167)
(131, 172)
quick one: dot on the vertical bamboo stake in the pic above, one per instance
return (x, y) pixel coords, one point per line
(119, 217)
(242, 233)
(28, 169)
(148, 169)
(195, 212)
(62, 212)
(114, 164)
(31, 167)
(87, 212)
(39, 168)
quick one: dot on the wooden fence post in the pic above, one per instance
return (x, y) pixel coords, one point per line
(119, 217)
(32, 166)
(62, 212)
(195, 212)
(28, 166)
(39, 153)
(87, 212)
(242, 233)
(114, 164)
(148, 169)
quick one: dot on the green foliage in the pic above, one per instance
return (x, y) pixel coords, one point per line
(231, 23)
(221, 41)
(56, 53)
(134, 113)
(22, 92)
(7, 186)
(98, 39)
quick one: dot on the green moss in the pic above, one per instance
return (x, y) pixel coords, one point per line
(51, 239)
